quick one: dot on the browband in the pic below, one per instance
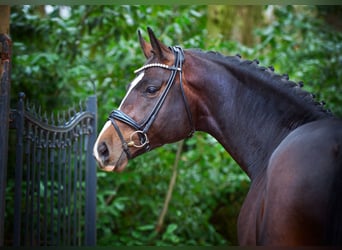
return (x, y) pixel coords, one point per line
(164, 66)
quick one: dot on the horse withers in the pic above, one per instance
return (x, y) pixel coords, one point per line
(285, 141)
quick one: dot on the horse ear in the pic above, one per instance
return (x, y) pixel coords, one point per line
(159, 49)
(145, 46)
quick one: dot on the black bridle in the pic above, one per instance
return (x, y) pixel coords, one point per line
(142, 128)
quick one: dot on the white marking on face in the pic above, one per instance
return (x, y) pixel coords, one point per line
(132, 85)
(109, 123)
(105, 127)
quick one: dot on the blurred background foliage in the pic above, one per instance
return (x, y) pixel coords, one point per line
(62, 54)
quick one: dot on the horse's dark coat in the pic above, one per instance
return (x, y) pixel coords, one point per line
(289, 146)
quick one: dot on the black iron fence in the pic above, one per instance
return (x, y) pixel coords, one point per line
(47, 171)
(54, 178)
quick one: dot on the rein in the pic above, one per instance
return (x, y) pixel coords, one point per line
(142, 128)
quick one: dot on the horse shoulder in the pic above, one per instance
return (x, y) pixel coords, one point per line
(298, 182)
(310, 149)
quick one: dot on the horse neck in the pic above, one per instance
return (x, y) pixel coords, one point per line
(246, 112)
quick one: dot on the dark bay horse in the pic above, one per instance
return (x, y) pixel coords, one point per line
(285, 141)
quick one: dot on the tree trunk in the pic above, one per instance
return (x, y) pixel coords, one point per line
(4, 19)
(5, 54)
(332, 15)
(231, 22)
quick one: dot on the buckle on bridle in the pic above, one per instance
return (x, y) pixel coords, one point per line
(143, 139)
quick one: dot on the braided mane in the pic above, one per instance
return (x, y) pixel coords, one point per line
(267, 74)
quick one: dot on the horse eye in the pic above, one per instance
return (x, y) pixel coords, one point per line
(151, 89)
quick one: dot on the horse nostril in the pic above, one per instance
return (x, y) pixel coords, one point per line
(103, 151)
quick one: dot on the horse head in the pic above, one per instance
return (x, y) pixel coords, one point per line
(155, 110)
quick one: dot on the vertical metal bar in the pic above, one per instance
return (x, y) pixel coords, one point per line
(45, 184)
(5, 71)
(18, 170)
(64, 189)
(80, 181)
(69, 187)
(59, 180)
(28, 137)
(75, 145)
(39, 173)
(52, 192)
(90, 199)
(33, 218)
(30, 184)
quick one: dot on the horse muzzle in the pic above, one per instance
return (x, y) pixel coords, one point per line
(107, 159)
(112, 151)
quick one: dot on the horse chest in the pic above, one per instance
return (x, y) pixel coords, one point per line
(251, 215)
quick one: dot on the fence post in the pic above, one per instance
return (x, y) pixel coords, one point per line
(90, 199)
(5, 68)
